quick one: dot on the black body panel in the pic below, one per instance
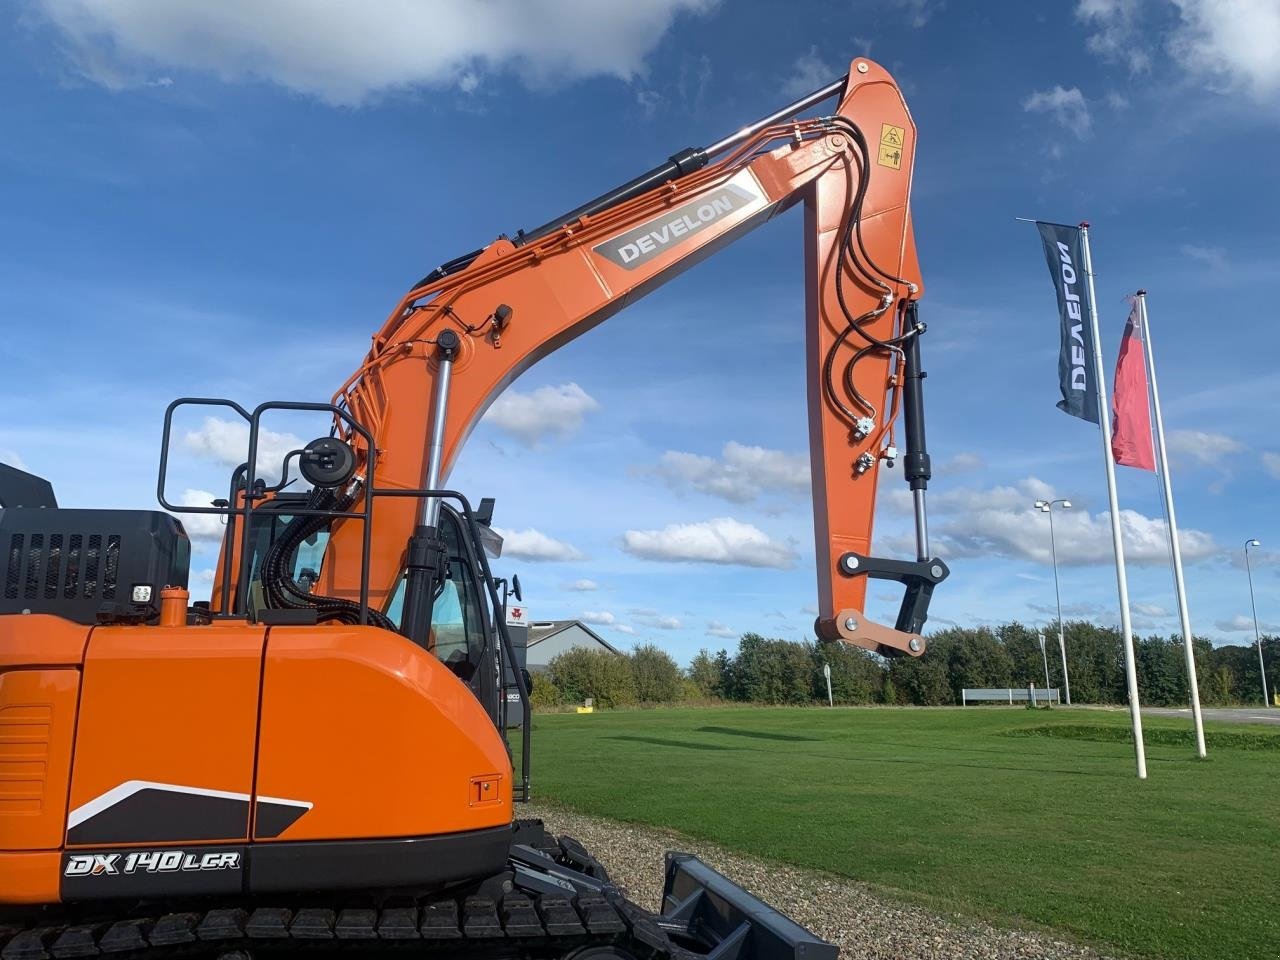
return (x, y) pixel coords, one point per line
(73, 563)
(364, 864)
(165, 816)
(21, 489)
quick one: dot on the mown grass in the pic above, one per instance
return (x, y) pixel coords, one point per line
(1019, 816)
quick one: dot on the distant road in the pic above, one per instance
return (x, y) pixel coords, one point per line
(1259, 714)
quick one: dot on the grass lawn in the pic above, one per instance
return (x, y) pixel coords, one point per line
(946, 808)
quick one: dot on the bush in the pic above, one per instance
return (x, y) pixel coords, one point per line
(771, 671)
(544, 693)
(657, 677)
(605, 677)
(707, 674)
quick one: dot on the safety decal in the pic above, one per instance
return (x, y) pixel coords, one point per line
(892, 140)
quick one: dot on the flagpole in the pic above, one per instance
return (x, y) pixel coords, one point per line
(1172, 518)
(1122, 581)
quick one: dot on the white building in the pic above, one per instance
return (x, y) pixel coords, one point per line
(550, 638)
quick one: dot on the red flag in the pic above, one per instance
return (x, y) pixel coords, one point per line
(1130, 404)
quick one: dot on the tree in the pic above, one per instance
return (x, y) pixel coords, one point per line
(978, 659)
(771, 671)
(707, 673)
(657, 677)
(856, 674)
(925, 680)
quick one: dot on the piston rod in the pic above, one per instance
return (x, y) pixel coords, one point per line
(447, 344)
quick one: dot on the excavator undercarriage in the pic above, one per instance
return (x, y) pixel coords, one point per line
(554, 900)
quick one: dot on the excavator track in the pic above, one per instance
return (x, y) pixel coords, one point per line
(554, 901)
(516, 925)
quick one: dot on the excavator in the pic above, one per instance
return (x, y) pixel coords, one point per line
(316, 759)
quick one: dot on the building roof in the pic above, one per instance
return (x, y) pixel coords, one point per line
(543, 629)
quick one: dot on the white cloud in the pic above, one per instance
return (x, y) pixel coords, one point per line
(204, 527)
(1202, 448)
(1240, 624)
(1116, 36)
(962, 463)
(717, 629)
(1068, 108)
(919, 10)
(582, 586)
(809, 72)
(227, 442)
(1213, 257)
(599, 618)
(1117, 101)
(1001, 522)
(536, 546)
(659, 621)
(1150, 610)
(624, 628)
(722, 540)
(741, 474)
(545, 412)
(1271, 464)
(1236, 40)
(344, 53)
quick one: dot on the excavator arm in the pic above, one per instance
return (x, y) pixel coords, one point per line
(464, 333)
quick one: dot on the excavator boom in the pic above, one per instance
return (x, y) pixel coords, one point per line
(458, 338)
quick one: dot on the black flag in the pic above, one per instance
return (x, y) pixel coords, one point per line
(1062, 251)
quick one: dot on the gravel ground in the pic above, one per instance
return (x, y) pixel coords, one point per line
(861, 922)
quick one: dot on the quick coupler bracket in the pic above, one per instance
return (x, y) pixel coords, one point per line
(918, 576)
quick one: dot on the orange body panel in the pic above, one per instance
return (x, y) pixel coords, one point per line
(41, 640)
(29, 877)
(170, 705)
(378, 735)
(37, 725)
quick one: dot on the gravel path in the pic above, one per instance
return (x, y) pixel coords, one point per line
(862, 923)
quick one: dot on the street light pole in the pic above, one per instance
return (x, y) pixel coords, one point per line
(1257, 636)
(1045, 657)
(1046, 506)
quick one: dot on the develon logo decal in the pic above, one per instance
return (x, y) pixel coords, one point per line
(643, 243)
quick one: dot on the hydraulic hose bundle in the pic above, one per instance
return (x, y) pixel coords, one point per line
(281, 591)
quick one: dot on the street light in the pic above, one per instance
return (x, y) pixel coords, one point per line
(1046, 506)
(1045, 657)
(1257, 637)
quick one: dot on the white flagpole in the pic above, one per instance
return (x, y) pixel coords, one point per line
(1122, 581)
(1172, 518)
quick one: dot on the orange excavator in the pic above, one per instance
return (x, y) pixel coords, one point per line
(316, 759)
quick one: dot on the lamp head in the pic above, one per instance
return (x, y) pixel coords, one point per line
(1040, 504)
(1254, 543)
(1066, 504)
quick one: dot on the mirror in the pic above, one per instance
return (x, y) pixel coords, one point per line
(515, 587)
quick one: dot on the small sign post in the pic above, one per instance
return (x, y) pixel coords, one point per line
(826, 672)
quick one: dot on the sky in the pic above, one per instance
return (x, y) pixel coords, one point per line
(227, 199)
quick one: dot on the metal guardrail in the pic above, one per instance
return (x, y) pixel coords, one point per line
(1009, 695)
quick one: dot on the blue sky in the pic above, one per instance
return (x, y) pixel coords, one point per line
(226, 200)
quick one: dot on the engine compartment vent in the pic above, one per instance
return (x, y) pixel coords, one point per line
(70, 562)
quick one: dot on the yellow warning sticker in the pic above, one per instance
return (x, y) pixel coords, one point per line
(891, 141)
